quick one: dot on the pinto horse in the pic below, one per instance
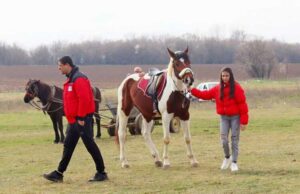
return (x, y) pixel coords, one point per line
(52, 104)
(171, 103)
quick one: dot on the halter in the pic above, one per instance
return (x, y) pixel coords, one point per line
(178, 56)
(51, 98)
(29, 91)
(184, 71)
(179, 75)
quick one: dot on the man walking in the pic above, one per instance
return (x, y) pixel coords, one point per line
(79, 107)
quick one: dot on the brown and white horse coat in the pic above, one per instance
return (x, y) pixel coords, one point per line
(171, 103)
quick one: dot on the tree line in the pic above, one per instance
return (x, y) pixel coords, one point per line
(148, 50)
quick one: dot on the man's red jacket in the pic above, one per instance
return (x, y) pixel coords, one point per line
(78, 97)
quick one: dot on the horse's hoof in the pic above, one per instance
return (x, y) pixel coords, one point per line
(98, 137)
(125, 165)
(158, 163)
(55, 142)
(195, 164)
(166, 166)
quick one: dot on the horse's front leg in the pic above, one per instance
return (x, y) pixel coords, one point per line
(61, 128)
(97, 119)
(54, 123)
(187, 136)
(146, 132)
(166, 119)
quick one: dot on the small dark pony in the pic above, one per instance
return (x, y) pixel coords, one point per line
(52, 104)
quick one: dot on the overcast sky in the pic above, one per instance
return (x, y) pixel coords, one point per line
(33, 22)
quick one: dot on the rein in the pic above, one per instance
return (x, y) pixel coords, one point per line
(183, 93)
(51, 99)
(44, 108)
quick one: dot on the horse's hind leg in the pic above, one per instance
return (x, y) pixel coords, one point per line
(146, 132)
(122, 120)
(187, 136)
(61, 128)
(54, 123)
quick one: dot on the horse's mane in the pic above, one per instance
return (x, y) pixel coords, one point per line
(170, 67)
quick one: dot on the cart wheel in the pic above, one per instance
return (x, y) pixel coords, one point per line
(138, 122)
(132, 130)
(111, 130)
(175, 125)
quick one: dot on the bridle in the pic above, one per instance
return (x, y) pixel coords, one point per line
(51, 99)
(32, 93)
(180, 75)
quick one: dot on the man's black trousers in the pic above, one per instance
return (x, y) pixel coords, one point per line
(74, 131)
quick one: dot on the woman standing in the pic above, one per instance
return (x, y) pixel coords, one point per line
(231, 105)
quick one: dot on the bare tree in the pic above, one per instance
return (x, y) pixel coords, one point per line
(258, 58)
(238, 35)
(41, 56)
(257, 55)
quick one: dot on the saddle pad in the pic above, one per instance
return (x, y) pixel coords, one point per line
(143, 83)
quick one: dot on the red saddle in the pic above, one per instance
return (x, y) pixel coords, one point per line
(143, 83)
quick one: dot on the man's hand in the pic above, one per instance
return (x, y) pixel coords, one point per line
(243, 127)
(81, 123)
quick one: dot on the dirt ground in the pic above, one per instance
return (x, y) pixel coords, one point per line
(14, 78)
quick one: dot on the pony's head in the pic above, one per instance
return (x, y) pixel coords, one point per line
(31, 90)
(181, 66)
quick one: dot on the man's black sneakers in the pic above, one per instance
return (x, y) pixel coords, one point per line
(54, 176)
(99, 177)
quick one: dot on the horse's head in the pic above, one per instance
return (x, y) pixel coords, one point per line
(182, 66)
(31, 90)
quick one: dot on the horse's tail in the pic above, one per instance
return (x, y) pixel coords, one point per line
(119, 108)
(117, 141)
(97, 95)
(120, 96)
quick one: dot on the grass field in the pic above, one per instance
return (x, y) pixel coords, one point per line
(269, 151)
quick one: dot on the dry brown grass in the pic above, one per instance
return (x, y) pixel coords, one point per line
(14, 78)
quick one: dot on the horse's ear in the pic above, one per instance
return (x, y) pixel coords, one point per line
(186, 50)
(171, 53)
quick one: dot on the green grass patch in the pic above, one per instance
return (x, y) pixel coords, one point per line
(269, 154)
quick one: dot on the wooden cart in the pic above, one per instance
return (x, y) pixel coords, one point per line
(134, 124)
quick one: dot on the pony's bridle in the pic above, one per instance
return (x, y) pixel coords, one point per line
(32, 93)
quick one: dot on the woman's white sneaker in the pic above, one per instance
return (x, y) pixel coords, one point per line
(226, 163)
(234, 167)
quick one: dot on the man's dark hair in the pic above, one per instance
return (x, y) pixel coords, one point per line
(66, 59)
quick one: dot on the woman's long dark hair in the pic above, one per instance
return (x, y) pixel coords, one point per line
(231, 83)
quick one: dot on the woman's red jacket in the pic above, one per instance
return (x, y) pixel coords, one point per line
(228, 106)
